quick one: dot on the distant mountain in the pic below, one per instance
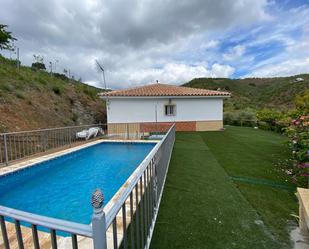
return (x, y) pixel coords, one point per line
(278, 93)
(31, 99)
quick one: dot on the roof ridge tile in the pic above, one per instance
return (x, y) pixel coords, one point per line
(159, 89)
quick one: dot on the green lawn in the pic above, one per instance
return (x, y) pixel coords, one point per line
(203, 207)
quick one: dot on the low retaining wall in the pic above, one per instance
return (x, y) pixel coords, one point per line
(116, 128)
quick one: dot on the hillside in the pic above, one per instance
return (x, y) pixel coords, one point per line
(278, 93)
(31, 99)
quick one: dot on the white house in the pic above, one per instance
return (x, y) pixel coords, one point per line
(299, 79)
(146, 107)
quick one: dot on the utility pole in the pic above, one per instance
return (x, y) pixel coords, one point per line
(51, 68)
(55, 67)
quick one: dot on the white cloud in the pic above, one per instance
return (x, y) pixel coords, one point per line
(137, 41)
(224, 71)
(209, 44)
(294, 59)
(235, 53)
(173, 73)
(285, 68)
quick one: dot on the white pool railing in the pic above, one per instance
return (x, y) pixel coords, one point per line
(127, 220)
(22, 144)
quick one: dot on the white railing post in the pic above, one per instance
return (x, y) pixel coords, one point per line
(5, 150)
(128, 131)
(70, 136)
(98, 221)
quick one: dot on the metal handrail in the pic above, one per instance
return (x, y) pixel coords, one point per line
(113, 207)
(145, 185)
(21, 144)
(47, 222)
(50, 129)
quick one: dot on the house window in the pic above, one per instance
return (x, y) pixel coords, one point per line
(170, 110)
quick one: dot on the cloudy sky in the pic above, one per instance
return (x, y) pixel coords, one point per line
(139, 42)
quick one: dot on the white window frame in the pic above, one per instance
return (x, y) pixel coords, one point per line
(170, 110)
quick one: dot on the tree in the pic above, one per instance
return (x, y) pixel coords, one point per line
(6, 38)
(38, 62)
(268, 116)
(302, 103)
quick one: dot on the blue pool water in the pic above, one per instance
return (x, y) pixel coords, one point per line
(62, 187)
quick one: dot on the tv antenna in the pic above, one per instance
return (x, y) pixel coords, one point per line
(103, 73)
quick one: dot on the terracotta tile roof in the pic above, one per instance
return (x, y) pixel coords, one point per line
(163, 90)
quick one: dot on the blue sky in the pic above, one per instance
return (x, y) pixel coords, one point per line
(260, 49)
(139, 42)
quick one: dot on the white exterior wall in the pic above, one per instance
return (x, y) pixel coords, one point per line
(136, 110)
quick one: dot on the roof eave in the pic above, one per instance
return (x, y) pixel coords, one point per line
(163, 96)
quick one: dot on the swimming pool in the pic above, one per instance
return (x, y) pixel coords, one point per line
(62, 187)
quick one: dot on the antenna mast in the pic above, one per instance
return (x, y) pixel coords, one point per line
(103, 73)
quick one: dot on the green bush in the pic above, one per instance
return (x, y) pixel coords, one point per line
(6, 87)
(58, 89)
(268, 115)
(61, 76)
(75, 117)
(273, 120)
(90, 91)
(10, 62)
(264, 125)
(302, 103)
(38, 66)
(240, 118)
(20, 95)
(41, 80)
(229, 117)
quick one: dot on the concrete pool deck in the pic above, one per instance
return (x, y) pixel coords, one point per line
(28, 162)
(66, 242)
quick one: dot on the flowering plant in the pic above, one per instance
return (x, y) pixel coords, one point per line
(298, 133)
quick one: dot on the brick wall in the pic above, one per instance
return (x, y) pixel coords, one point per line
(213, 125)
(186, 126)
(163, 127)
